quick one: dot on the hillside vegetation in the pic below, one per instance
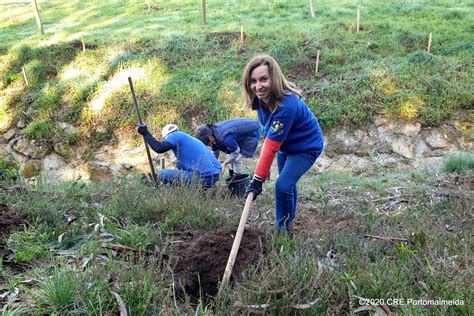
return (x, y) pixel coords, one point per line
(403, 236)
(188, 74)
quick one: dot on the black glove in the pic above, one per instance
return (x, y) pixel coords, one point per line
(255, 187)
(142, 129)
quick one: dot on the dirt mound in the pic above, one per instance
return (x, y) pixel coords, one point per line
(200, 260)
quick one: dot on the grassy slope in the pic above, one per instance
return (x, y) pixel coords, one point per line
(185, 74)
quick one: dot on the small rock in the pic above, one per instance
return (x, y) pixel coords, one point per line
(8, 135)
(61, 149)
(421, 149)
(435, 139)
(410, 129)
(380, 120)
(21, 123)
(30, 168)
(68, 128)
(98, 171)
(403, 147)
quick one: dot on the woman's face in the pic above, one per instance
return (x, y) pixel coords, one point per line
(260, 82)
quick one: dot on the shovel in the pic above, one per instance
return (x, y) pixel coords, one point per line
(152, 168)
(236, 244)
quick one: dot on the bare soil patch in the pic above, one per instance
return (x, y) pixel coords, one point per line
(200, 258)
(224, 39)
(78, 45)
(306, 69)
(315, 224)
(455, 185)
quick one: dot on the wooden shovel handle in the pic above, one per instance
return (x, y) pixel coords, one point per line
(150, 162)
(236, 244)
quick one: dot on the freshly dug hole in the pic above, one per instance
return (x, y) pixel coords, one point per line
(199, 259)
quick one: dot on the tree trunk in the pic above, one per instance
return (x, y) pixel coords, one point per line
(37, 16)
(311, 8)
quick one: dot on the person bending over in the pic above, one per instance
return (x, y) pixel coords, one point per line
(236, 137)
(194, 162)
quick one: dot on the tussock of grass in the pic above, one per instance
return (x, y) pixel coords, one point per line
(461, 163)
(39, 129)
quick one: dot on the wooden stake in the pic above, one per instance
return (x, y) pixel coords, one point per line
(24, 75)
(311, 8)
(149, 69)
(204, 12)
(83, 44)
(430, 37)
(149, 6)
(37, 17)
(387, 238)
(10, 14)
(242, 33)
(358, 19)
(163, 162)
(317, 61)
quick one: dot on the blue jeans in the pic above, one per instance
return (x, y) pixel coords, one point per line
(290, 168)
(176, 176)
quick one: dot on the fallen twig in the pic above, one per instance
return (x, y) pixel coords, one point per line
(253, 307)
(305, 306)
(387, 206)
(174, 290)
(386, 238)
(264, 307)
(122, 307)
(121, 248)
(390, 197)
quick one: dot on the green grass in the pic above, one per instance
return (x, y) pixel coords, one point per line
(59, 291)
(432, 264)
(461, 163)
(187, 71)
(39, 129)
(9, 168)
(29, 245)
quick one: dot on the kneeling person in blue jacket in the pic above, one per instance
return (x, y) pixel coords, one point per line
(194, 162)
(236, 137)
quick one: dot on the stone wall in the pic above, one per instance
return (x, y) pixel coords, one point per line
(382, 144)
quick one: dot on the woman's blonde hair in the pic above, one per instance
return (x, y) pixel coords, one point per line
(280, 86)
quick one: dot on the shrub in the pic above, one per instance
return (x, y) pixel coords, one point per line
(28, 245)
(59, 292)
(421, 57)
(39, 129)
(9, 168)
(460, 163)
(36, 71)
